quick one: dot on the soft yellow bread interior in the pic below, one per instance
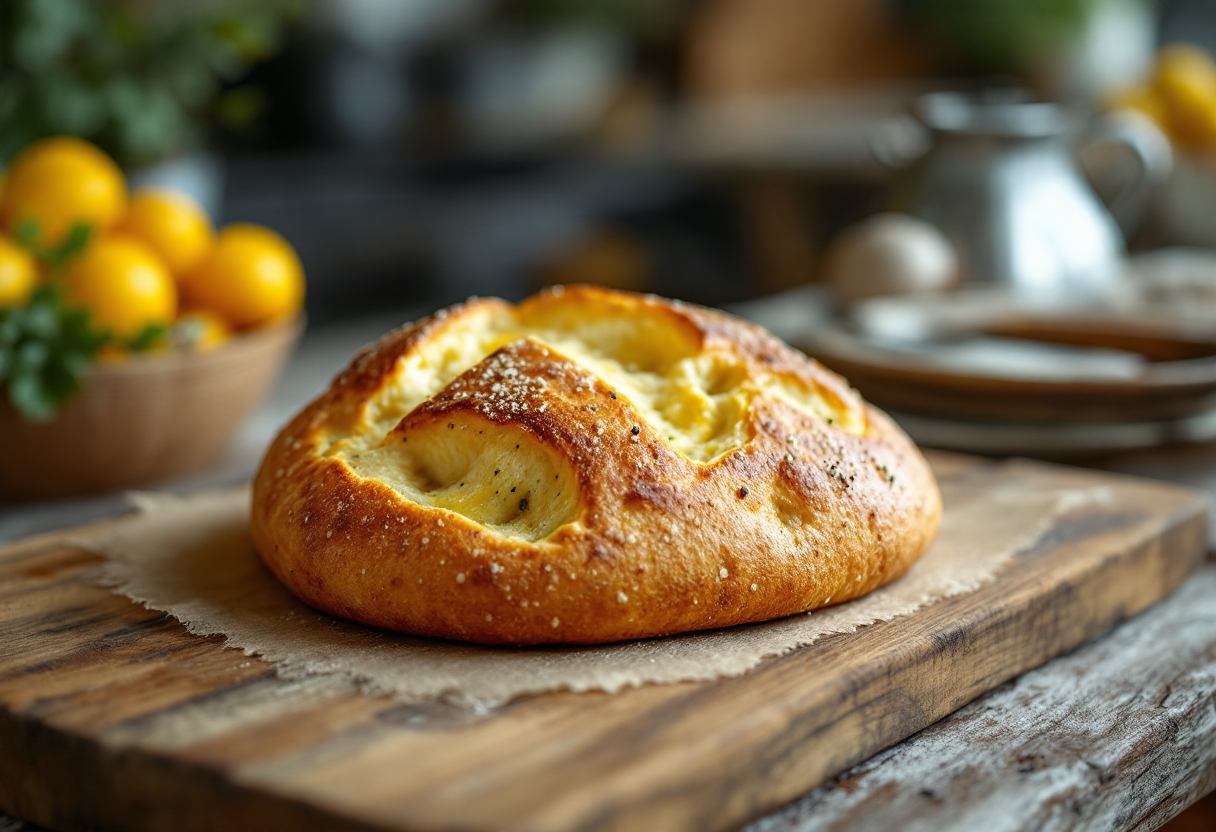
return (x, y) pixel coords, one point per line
(499, 476)
(695, 398)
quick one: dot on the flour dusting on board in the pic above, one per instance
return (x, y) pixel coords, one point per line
(193, 558)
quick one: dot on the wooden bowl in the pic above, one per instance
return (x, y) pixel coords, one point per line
(143, 419)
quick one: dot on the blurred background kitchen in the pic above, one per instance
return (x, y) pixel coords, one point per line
(418, 151)
(996, 217)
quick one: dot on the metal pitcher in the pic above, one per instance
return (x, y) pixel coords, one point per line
(1000, 180)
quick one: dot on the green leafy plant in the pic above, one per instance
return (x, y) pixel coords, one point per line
(46, 350)
(1001, 35)
(48, 346)
(142, 81)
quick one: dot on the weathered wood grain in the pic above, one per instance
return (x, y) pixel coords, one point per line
(1119, 735)
(112, 716)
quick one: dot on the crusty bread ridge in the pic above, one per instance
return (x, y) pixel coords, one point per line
(588, 466)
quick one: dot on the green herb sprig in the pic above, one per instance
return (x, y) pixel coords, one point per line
(46, 351)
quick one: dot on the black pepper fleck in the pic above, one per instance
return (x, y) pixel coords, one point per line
(513, 488)
(613, 395)
(523, 504)
(744, 491)
(635, 430)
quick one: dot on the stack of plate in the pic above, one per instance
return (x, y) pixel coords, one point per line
(979, 372)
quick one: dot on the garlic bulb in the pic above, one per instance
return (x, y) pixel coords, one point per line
(890, 254)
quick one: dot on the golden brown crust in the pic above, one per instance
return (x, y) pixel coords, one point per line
(804, 511)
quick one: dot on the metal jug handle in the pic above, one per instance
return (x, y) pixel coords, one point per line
(1125, 156)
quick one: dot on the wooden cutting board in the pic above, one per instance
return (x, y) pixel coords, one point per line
(114, 717)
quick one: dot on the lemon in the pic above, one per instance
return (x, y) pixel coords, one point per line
(18, 274)
(173, 225)
(1185, 80)
(124, 286)
(250, 276)
(60, 182)
(199, 331)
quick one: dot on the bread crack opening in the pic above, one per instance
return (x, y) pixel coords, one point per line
(496, 475)
(695, 399)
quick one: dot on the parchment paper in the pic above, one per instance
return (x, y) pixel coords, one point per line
(192, 558)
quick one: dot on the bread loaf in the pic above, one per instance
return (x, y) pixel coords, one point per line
(587, 466)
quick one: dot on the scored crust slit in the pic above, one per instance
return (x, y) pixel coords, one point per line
(587, 466)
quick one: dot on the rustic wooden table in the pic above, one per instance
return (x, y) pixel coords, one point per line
(1118, 735)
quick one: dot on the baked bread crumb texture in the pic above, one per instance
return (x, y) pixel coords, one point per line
(587, 466)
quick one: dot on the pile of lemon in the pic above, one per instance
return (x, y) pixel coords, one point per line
(1180, 96)
(153, 258)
